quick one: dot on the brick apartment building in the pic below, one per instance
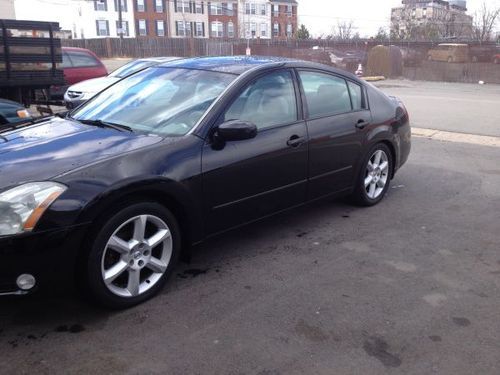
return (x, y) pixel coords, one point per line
(151, 18)
(223, 18)
(283, 19)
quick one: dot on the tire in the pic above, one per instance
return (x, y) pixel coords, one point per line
(363, 194)
(136, 249)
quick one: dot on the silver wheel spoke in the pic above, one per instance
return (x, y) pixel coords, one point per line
(140, 227)
(383, 166)
(119, 245)
(371, 192)
(115, 271)
(134, 281)
(368, 180)
(156, 265)
(158, 238)
(370, 166)
(378, 156)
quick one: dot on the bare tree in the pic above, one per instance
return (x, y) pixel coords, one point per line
(484, 22)
(343, 31)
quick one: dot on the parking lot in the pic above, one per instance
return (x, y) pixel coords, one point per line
(409, 286)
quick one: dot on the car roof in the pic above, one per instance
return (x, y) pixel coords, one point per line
(226, 64)
(162, 59)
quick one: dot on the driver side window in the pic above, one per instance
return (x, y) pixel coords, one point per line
(269, 101)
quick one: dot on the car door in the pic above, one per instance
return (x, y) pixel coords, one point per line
(247, 180)
(337, 118)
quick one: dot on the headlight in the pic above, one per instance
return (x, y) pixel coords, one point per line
(22, 206)
(87, 95)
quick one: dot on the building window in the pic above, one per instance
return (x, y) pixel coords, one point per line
(199, 8)
(250, 8)
(122, 30)
(183, 6)
(123, 4)
(101, 5)
(200, 29)
(289, 30)
(159, 6)
(229, 9)
(263, 10)
(276, 10)
(289, 9)
(276, 29)
(102, 27)
(216, 9)
(230, 30)
(184, 28)
(160, 28)
(140, 5)
(263, 30)
(253, 29)
(142, 27)
(217, 30)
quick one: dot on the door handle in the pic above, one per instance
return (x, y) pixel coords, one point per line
(295, 141)
(361, 124)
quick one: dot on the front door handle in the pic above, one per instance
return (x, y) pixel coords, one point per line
(361, 124)
(295, 141)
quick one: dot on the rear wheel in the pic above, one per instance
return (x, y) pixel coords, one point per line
(375, 176)
(132, 255)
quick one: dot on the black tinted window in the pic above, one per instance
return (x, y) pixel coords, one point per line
(82, 59)
(267, 102)
(326, 95)
(66, 63)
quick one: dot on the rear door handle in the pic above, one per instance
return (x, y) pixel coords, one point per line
(295, 141)
(361, 124)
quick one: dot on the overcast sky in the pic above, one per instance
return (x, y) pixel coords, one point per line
(368, 15)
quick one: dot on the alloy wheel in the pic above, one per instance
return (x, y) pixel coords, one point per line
(136, 255)
(376, 174)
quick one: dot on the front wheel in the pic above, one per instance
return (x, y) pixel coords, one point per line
(132, 255)
(375, 176)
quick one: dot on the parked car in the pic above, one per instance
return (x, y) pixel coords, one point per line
(481, 53)
(12, 113)
(174, 154)
(83, 91)
(78, 64)
(449, 52)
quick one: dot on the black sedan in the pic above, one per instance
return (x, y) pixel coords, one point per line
(110, 196)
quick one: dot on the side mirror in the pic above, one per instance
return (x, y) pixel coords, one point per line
(236, 130)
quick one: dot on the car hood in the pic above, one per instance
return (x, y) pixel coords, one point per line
(94, 85)
(45, 150)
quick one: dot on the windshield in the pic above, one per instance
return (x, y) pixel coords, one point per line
(131, 68)
(163, 101)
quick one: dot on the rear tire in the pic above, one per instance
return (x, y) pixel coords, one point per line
(374, 177)
(131, 255)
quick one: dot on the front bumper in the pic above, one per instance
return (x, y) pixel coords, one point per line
(49, 256)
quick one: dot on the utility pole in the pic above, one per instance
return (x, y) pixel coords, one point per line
(120, 19)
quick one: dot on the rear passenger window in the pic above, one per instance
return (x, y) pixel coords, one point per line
(356, 96)
(326, 95)
(82, 59)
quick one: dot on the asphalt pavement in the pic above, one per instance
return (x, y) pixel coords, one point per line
(411, 286)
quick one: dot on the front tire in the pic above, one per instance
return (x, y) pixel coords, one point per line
(131, 255)
(375, 176)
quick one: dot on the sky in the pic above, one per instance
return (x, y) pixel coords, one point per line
(320, 16)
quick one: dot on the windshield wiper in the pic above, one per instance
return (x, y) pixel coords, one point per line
(105, 124)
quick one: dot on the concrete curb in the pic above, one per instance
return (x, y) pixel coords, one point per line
(440, 135)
